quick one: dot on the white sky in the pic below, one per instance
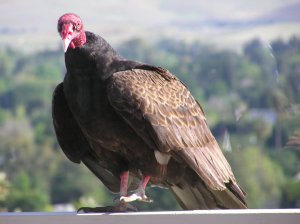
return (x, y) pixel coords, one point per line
(116, 18)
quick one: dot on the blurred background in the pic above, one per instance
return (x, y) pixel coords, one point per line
(240, 59)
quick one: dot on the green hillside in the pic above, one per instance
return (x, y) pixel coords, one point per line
(251, 100)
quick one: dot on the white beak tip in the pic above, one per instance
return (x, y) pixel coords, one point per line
(66, 42)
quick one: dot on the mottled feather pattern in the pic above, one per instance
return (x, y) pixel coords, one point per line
(173, 118)
(117, 115)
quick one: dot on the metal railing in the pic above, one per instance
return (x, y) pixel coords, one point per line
(249, 216)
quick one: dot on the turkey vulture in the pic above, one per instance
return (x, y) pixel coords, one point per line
(132, 124)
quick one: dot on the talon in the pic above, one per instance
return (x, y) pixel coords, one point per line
(125, 207)
(147, 199)
(95, 209)
(121, 207)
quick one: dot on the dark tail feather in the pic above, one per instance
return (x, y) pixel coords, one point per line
(199, 196)
(193, 198)
(237, 191)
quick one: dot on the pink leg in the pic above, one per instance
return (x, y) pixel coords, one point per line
(139, 194)
(122, 206)
(124, 183)
(144, 183)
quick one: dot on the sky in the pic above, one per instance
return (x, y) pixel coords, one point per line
(33, 22)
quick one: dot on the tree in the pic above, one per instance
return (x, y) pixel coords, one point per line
(25, 197)
(228, 85)
(261, 178)
(4, 190)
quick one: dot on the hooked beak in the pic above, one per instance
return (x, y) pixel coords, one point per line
(67, 35)
(66, 42)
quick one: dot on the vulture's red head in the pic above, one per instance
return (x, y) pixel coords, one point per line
(71, 30)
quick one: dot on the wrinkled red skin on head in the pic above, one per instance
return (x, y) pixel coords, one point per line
(67, 29)
(71, 25)
(68, 33)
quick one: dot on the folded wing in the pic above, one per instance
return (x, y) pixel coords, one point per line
(163, 112)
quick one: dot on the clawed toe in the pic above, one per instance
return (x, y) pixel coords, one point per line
(95, 209)
(121, 207)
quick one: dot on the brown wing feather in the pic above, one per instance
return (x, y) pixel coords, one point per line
(160, 108)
